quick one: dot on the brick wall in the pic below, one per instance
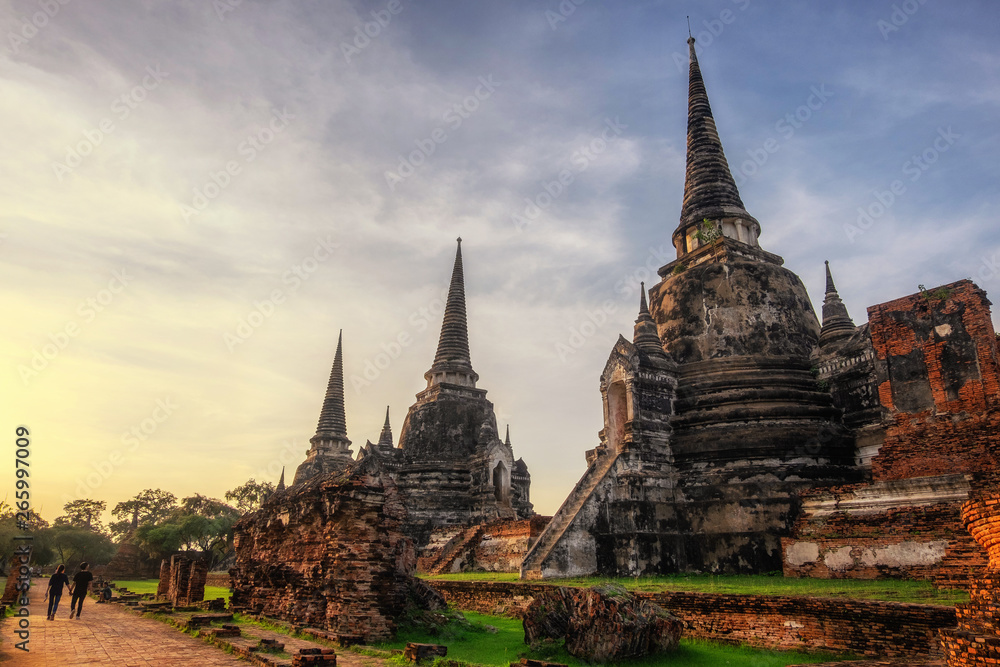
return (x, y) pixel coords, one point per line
(185, 579)
(937, 370)
(327, 553)
(221, 579)
(775, 622)
(900, 529)
(503, 545)
(976, 640)
(940, 381)
(498, 546)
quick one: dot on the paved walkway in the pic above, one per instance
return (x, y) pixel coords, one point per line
(105, 634)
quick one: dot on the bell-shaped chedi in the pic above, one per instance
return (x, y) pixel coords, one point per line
(748, 425)
(742, 329)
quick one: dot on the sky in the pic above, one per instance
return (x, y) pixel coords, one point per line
(196, 197)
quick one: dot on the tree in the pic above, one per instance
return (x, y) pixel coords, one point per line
(70, 545)
(249, 496)
(199, 524)
(10, 529)
(150, 505)
(85, 513)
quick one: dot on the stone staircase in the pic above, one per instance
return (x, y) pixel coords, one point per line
(456, 547)
(531, 566)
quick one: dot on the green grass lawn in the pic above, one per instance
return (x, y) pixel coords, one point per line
(892, 590)
(477, 645)
(149, 586)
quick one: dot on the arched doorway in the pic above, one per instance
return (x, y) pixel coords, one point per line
(617, 415)
(501, 483)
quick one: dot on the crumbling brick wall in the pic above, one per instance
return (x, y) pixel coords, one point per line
(937, 370)
(976, 640)
(504, 543)
(863, 627)
(327, 553)
(182, 578)
(940, 381)
(904, 529)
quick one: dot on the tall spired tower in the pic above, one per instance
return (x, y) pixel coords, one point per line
(451, 467)
(702, 459)
(330, 449)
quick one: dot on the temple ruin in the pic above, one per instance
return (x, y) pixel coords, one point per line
(742, 435)
(451, 467)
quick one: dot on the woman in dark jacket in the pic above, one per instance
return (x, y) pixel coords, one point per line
(56, 583)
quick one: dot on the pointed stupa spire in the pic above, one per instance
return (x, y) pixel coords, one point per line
(281, 480)
(331, 431)
(837, 323)
(506, 440)
(452, 362)
(646, 337)
(385, 438)
(332, 421)
(710, 192)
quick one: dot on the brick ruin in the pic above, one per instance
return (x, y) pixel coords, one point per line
(451, 468)
(929, 408)
(129, 562)
(182, 579)
(497, 546)
(330, 553)
(864, 627)
(976, 640)
(742, 435)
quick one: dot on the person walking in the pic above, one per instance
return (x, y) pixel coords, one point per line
(54, 592)
(81, 580)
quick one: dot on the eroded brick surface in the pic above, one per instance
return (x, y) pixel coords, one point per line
(328, 553)
(976, 640)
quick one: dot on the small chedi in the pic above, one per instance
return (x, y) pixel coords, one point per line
(742, 434)
(976, 641)
(330, 553)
